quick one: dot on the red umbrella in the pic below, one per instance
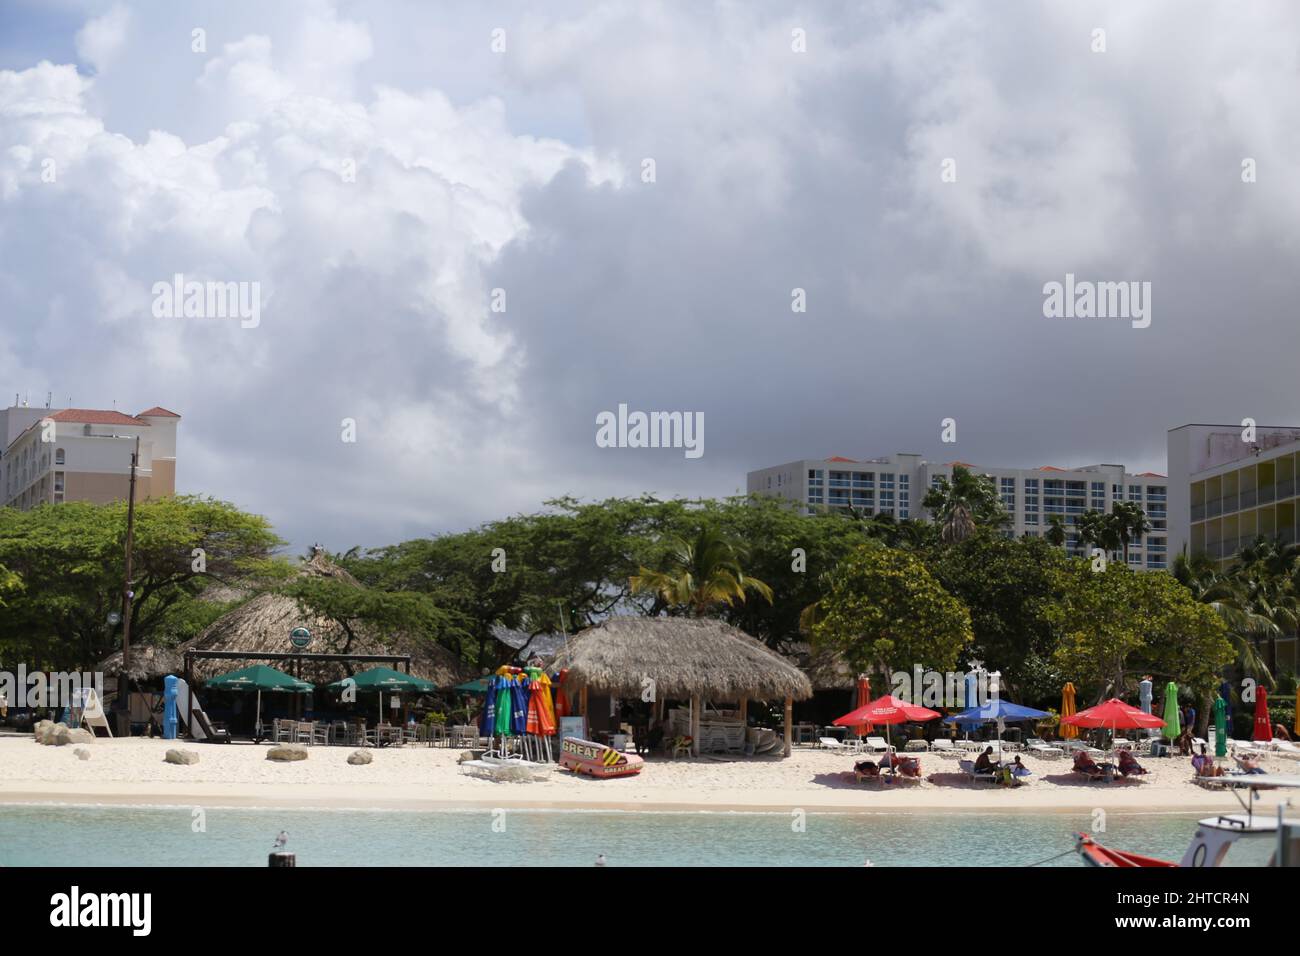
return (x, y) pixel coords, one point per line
(1263, 729)
(1114, 714)
(864, 698)
(885, 710)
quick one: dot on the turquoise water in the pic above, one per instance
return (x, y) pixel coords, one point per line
(165, 836)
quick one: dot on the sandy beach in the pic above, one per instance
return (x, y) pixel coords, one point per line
(134, 772)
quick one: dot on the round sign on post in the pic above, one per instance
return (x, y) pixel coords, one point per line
(300, 637)
(114, 619)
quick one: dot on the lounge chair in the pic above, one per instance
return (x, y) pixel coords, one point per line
(865, 770)
(1041, 748)
(1095, 772)
(968, 768)
(215, 731)
(943, 747)
(914, 746)
(830, 743)
(875, 744)
(1285, 748)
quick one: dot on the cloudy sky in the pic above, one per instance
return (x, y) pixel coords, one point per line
(380, 168)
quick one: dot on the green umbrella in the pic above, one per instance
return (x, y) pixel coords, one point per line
(1220, 728)
(379, 680)
(503, 708)
(260, 678)
(1173, 726)
(477, 686)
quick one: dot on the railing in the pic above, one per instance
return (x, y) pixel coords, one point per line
(1248, 498)
(1214, 507)
(1267, 493)
(1198, 512)
(1286, 489)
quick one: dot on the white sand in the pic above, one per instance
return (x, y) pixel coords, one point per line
(133, 771)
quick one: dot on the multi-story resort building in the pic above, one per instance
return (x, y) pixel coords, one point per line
(78, 454)
(896, 485)
(1225, 491)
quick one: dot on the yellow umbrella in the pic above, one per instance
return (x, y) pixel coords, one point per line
(1068, 731)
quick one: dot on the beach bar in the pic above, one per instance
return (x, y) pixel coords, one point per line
(684, 659)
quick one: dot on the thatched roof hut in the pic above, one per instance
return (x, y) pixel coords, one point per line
(263, 624)
(687, 658)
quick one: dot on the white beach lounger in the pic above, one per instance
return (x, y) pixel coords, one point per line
(1285, 748)
(875, 744)
(968, 768)
(830, 743)
(1040, 748)
(944, 748)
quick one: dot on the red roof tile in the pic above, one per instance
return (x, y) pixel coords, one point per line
(838, 458)
(955, 464)
(1050, 468)
(1151, 474)
(158, 412)
(94, 416)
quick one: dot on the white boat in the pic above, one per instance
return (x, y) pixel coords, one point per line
(1231, 839)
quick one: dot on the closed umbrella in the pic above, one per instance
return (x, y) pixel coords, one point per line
(1067, 710)
(1220, 728)
(864, 698)
(1145, 695)
(1263, 729)
(519, 705)
(562, 706)
(488, 719)
(504, 705)
(1173, 725)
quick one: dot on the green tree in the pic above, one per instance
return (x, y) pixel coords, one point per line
(1056, 534)
(884, 611)
(1128, 523)
(1224, 594)
(703, 573)
(1116, 623)
(71, 560)
(1006, 584)
(963, 503)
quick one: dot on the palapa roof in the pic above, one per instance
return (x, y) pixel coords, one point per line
(683, 656)
(262, 625)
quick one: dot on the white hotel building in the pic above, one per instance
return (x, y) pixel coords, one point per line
(897, 484)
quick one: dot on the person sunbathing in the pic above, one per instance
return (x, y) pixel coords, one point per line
(1084, 764)
(985, 762)
(865, 768)
(1203, 765)
(1129, 766)
(908, 766)
(1249, 763)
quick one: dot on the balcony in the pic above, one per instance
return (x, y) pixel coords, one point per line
(1214, 507)
(1286, 489)
(1198, 512)
(1248, 499)
(1267, 493)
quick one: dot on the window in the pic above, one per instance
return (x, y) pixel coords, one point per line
(58, 482)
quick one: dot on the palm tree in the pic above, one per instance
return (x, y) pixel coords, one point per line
(1268, 571)
(702, 574)
(1128, 523)
(963, 503)
(1231, 601)
(1055, 530)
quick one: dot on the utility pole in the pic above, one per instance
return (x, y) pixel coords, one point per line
(123, 687)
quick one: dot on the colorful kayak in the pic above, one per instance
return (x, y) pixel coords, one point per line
(597, 760)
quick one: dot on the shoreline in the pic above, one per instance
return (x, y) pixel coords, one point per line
(125, 773)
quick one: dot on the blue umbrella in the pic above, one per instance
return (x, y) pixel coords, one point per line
(519, 694)
(999, 710)
(488, 719)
